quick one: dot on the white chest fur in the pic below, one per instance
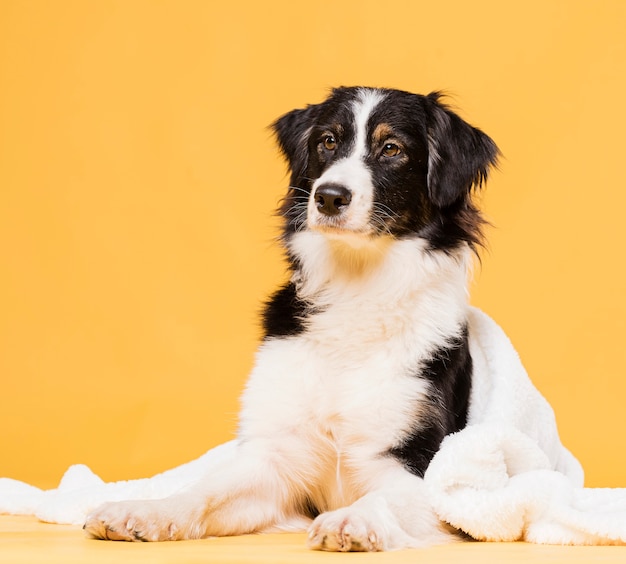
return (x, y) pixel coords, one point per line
(344, 390)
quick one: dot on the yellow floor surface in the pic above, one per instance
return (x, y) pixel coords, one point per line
(25, 540)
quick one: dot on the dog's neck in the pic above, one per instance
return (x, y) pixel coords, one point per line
(375, 268)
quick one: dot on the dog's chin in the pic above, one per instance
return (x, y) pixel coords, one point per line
(359, 237)
(356, 251)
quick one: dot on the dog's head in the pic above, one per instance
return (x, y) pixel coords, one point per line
(378, 162)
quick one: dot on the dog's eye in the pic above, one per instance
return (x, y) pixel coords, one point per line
(390, 150)
(330, 143)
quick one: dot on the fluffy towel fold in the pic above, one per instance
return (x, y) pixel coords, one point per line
(81, 491)
(505, 477)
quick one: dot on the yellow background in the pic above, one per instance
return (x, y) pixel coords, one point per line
(138, 182)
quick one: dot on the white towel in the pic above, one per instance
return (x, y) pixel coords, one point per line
(505, 477)
(81, 491)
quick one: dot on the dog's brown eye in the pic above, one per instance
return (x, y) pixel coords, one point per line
(330, 143)
(390, 150)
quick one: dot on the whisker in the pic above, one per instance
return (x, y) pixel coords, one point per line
(296, 188)
(381, 226)
(381, 216)
(385, 209)
(298, 207)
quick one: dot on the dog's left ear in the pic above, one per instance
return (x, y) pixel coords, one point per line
(292, 131)
(459, 155)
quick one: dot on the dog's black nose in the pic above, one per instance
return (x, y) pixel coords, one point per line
(332, 198)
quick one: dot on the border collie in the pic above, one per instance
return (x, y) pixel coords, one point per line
(365, 365)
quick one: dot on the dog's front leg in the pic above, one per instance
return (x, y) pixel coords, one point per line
(244, 493)
(394, 516)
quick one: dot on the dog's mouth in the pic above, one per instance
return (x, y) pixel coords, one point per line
(339, 226)
(334, 210)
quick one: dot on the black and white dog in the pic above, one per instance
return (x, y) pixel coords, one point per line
(365, 365)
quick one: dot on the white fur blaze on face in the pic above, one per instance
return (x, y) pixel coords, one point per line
(352, 173)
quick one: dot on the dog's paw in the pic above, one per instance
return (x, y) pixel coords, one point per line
(346, 530)
(132, 521)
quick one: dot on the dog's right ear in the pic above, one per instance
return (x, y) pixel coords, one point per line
(292, 133)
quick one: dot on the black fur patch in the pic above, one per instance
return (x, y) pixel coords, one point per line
(284, 313)
(450, 374)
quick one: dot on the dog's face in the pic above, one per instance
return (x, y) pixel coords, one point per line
(376, 162)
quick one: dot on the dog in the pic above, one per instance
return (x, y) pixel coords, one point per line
(365, 363)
